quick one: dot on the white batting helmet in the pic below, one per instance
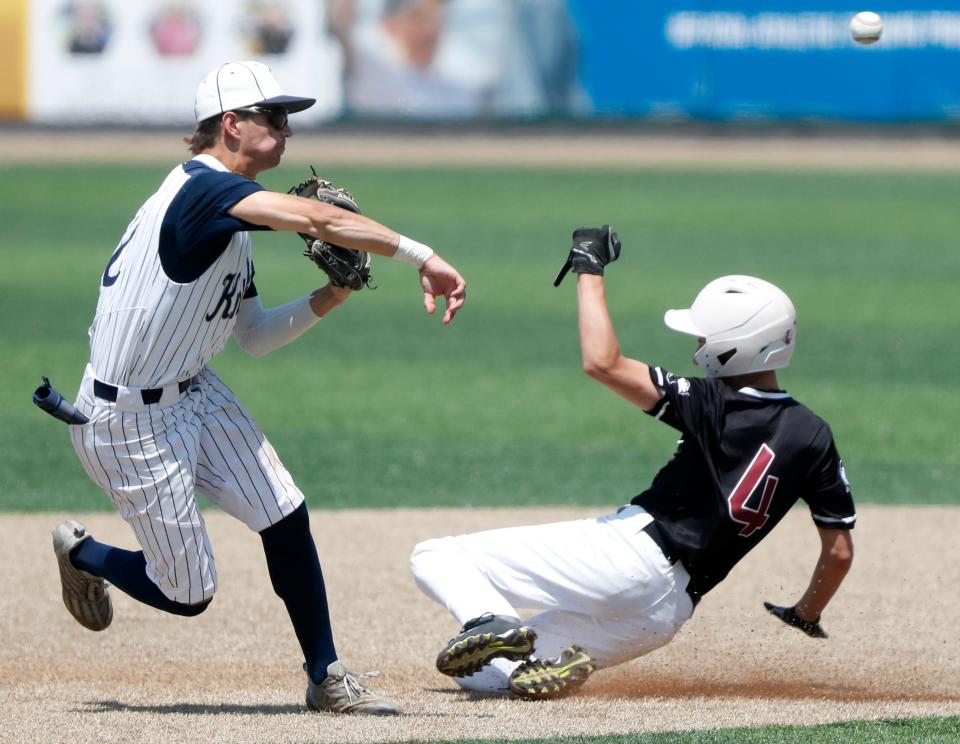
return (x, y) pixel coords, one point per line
(749, 326)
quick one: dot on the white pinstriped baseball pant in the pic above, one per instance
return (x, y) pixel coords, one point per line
(151, 459)
(601, 583)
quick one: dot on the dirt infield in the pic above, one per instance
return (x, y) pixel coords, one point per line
(232, 674)
(613, 149)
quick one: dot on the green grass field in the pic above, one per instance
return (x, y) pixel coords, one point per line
(494, 409)
(380, 406)
(921, 730)
(897, 731)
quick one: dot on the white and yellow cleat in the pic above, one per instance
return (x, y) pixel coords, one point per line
(540, 679)
(483, 639)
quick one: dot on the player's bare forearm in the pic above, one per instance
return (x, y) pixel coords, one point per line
(348, 229)
(326, 222)
(836, 557)
(599, 346)
(602, 357)
(322, 301)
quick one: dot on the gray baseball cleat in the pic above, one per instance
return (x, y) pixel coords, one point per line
(341, 692)
(84, 594)
(547, 678)
(482, 639)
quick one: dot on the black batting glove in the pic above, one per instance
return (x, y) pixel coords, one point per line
(592, 249)
(789, 616)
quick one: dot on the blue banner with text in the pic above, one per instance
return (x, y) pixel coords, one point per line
(773, 60)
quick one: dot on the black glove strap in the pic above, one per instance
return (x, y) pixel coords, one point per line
(563, 272)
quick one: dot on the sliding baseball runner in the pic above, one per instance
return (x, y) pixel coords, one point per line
(610, 589)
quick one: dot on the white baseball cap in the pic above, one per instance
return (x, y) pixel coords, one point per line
(237, 85)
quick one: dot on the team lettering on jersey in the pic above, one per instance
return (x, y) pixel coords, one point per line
(233, 291)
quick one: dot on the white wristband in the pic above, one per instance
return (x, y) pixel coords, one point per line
(411, 252)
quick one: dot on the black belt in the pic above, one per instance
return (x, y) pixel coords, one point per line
(654, 533)
(107, 391)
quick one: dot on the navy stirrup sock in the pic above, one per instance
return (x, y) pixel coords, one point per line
(126, 570)
(297, 579)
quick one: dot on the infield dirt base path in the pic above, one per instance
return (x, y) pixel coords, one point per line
(587, 148)
(233, 674)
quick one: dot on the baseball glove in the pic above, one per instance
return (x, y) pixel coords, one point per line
(344, 267)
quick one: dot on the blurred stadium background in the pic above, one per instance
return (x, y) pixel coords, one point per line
(762, 61)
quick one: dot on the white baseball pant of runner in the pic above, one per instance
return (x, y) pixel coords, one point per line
(601, 583)
(151, 458)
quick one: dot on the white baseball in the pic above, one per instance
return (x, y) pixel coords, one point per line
(866, 27)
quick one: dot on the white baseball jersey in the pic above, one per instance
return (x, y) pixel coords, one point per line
(170, 292)
(168, 302)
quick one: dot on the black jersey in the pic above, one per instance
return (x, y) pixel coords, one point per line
(744, 458)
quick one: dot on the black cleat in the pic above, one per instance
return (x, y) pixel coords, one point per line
(548, 678)
(482, 639)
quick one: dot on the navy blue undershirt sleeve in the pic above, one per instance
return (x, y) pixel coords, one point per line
(197, 228)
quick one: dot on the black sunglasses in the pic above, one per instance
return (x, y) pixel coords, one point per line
(276, 117)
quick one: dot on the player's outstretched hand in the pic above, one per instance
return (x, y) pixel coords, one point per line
(789, 616)
(440, 279)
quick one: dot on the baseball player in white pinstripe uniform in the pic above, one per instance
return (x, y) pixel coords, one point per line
(162, 424)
